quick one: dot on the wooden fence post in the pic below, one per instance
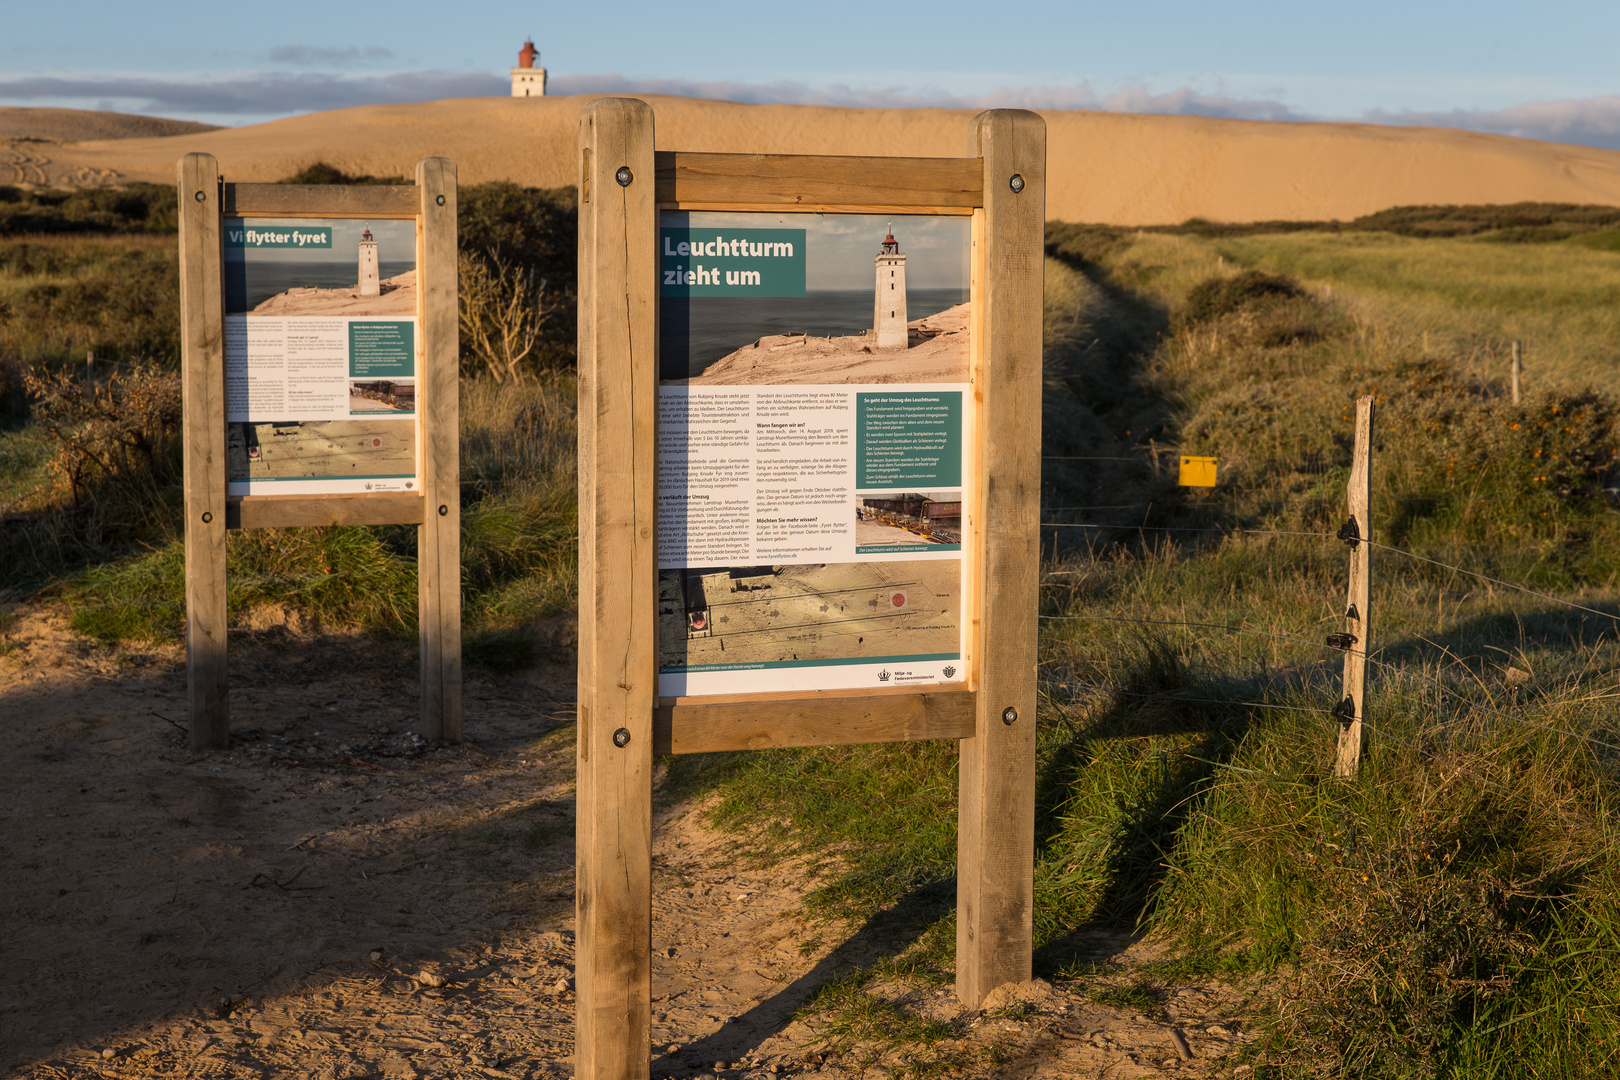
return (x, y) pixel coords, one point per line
(202, 388)
(1516, 370)
(618, 572)
(1352, 708)
(438, 562)
(996, 820)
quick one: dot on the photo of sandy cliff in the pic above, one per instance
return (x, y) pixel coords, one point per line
(397, 297)
(938, 352)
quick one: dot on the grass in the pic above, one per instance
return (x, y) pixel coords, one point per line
(1451, 912)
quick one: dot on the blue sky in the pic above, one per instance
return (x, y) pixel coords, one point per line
(1544, 71)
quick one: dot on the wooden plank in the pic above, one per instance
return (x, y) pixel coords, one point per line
(996, 819)
(895, 209)
(814, 721)
(1357, 616)
(438, 549)
(202, 383)
(321, 200)
(901, 185)
(618, 386)
(284, 511)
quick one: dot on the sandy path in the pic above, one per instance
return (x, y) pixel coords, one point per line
(332, 899)
(1103, 167)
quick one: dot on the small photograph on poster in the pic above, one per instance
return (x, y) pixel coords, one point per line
(320, 355)
(735, 628)
(755, 299)
(906, 521)
(381, 397)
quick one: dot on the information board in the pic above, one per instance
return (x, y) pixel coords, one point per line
(811, 451)
(321, 335)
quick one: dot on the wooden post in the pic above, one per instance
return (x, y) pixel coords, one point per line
(996, 822)
(90, 367)
(618, 674)
(1352, 708)
(202, 387)
(1516, 370)
(439, 536)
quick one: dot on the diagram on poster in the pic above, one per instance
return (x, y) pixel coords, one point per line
(811, 451)
(321, 340)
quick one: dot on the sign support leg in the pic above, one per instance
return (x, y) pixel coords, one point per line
(996, 830)
(438, 547)
(202, 382)
(618, 400)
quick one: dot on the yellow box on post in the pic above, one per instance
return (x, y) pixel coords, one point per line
(1197, 472)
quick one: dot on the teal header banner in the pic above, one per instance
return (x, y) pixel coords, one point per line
(731, 262)
(238, 235)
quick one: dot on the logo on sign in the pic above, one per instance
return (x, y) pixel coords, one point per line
(883, 676)
(948, 671)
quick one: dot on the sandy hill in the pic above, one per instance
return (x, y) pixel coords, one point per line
(74, 125)
(1104, 167)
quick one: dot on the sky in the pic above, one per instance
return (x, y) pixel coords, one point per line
(1542, 71)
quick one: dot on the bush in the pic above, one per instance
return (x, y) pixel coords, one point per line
(1218, 296)
(137, 208)
(115, 435)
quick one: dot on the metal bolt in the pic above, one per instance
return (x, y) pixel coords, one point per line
(444, 511)
(624, 176)
(621, 737)
(1009, 716)
(202, 196)
(1017, 185)
(440, 200)
(208, 518)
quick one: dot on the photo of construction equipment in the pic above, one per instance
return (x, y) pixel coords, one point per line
(805, 614)
(908, 518)
(382, 396)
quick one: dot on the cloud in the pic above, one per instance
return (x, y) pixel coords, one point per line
(272, 94)
(1180, 102)
(315, 54)
(1593, 121)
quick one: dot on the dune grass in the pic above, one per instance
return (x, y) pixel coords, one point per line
(1448, 913)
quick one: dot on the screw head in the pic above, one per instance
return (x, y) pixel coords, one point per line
(444, 511)
(624, 176)
(439, 200)
(208, 518)
(202, 196)
(1016, 182)
(621, 738)
(1009, 716)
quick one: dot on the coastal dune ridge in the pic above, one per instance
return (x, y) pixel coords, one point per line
(1113, 168)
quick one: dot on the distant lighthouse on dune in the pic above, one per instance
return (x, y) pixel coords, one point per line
(528, 80)
(370, 279)
(889, 299)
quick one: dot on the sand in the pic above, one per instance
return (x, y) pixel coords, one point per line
(938, 354)
(398, 297)
(1104, 167)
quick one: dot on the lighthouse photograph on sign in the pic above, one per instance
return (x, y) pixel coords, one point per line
(811, 452)
(321, 340)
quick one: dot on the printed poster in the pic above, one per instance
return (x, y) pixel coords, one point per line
(812, 455)
(321, 342)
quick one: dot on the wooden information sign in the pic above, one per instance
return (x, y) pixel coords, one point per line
(319, 376)
(808, 508)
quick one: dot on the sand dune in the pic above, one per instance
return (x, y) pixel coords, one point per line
(72, 125)
(1104, 167)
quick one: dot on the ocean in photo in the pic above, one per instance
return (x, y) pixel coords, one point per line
(694, 332)
(250, 283)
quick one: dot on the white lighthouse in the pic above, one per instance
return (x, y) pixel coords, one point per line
(528, 80)
(370, 279)
(889, 300)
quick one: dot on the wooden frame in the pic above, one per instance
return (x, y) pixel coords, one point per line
(1001, 184)
(205, 201)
